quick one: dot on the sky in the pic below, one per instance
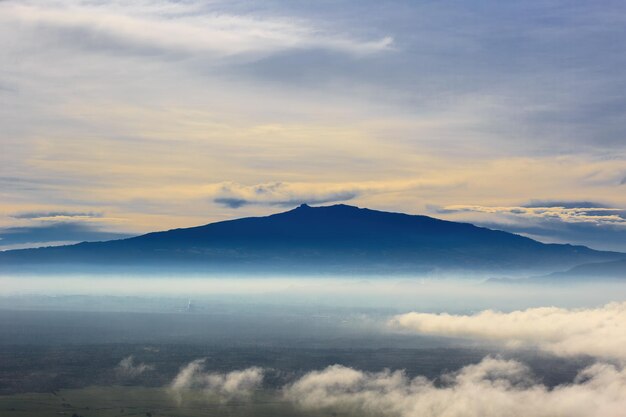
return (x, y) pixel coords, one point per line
(119, 118)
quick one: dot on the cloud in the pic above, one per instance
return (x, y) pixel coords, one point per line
(566, 212)
(491, 388)
(177, 30)
(232, 385)
(597, 236)
(623, 181)
(282, 194)
(235, 195)
(231, 202)
(46, 215)
(587, 223)
(62, 232)
(128, 369)
(564, 204)
(599, 332)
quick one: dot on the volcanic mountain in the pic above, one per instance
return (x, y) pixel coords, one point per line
(331, 239)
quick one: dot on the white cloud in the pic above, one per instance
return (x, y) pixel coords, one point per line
(172, 28)
(235, 384)
(128, 369)
(491, 388)
(599, 332)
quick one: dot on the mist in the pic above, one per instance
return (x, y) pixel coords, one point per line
(451, 295)
(397, 347)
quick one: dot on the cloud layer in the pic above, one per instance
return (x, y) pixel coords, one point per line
(570, 212)
(235, 195)
(599, 332)
(491, 388)
(591, 223)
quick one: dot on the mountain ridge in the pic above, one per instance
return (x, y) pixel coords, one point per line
(337, 238)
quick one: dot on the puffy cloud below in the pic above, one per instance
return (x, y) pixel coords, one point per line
(599, 332)
(232, 385)
(128, 369)
(491, 388)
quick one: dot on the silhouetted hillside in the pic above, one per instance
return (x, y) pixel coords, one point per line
(595, 271)
(332, 239)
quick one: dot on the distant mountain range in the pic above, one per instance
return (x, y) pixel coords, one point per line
(595, 271)
(332, 239)
(612, 271)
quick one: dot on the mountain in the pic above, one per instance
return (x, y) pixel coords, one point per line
(613, 270)
(330, 239)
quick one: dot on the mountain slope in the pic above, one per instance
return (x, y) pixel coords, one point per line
(596, 270)
(337, 238)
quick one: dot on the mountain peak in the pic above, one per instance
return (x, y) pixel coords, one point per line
(330, 210)
(333, 238)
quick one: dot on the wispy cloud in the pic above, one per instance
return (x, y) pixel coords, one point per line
(491, 388)
(595, 224)
(176, 30)
(565, 204)
(56, 215)
(288, 194)
(599, 332)
(284, 194)
(572, 212)
(53, 234)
